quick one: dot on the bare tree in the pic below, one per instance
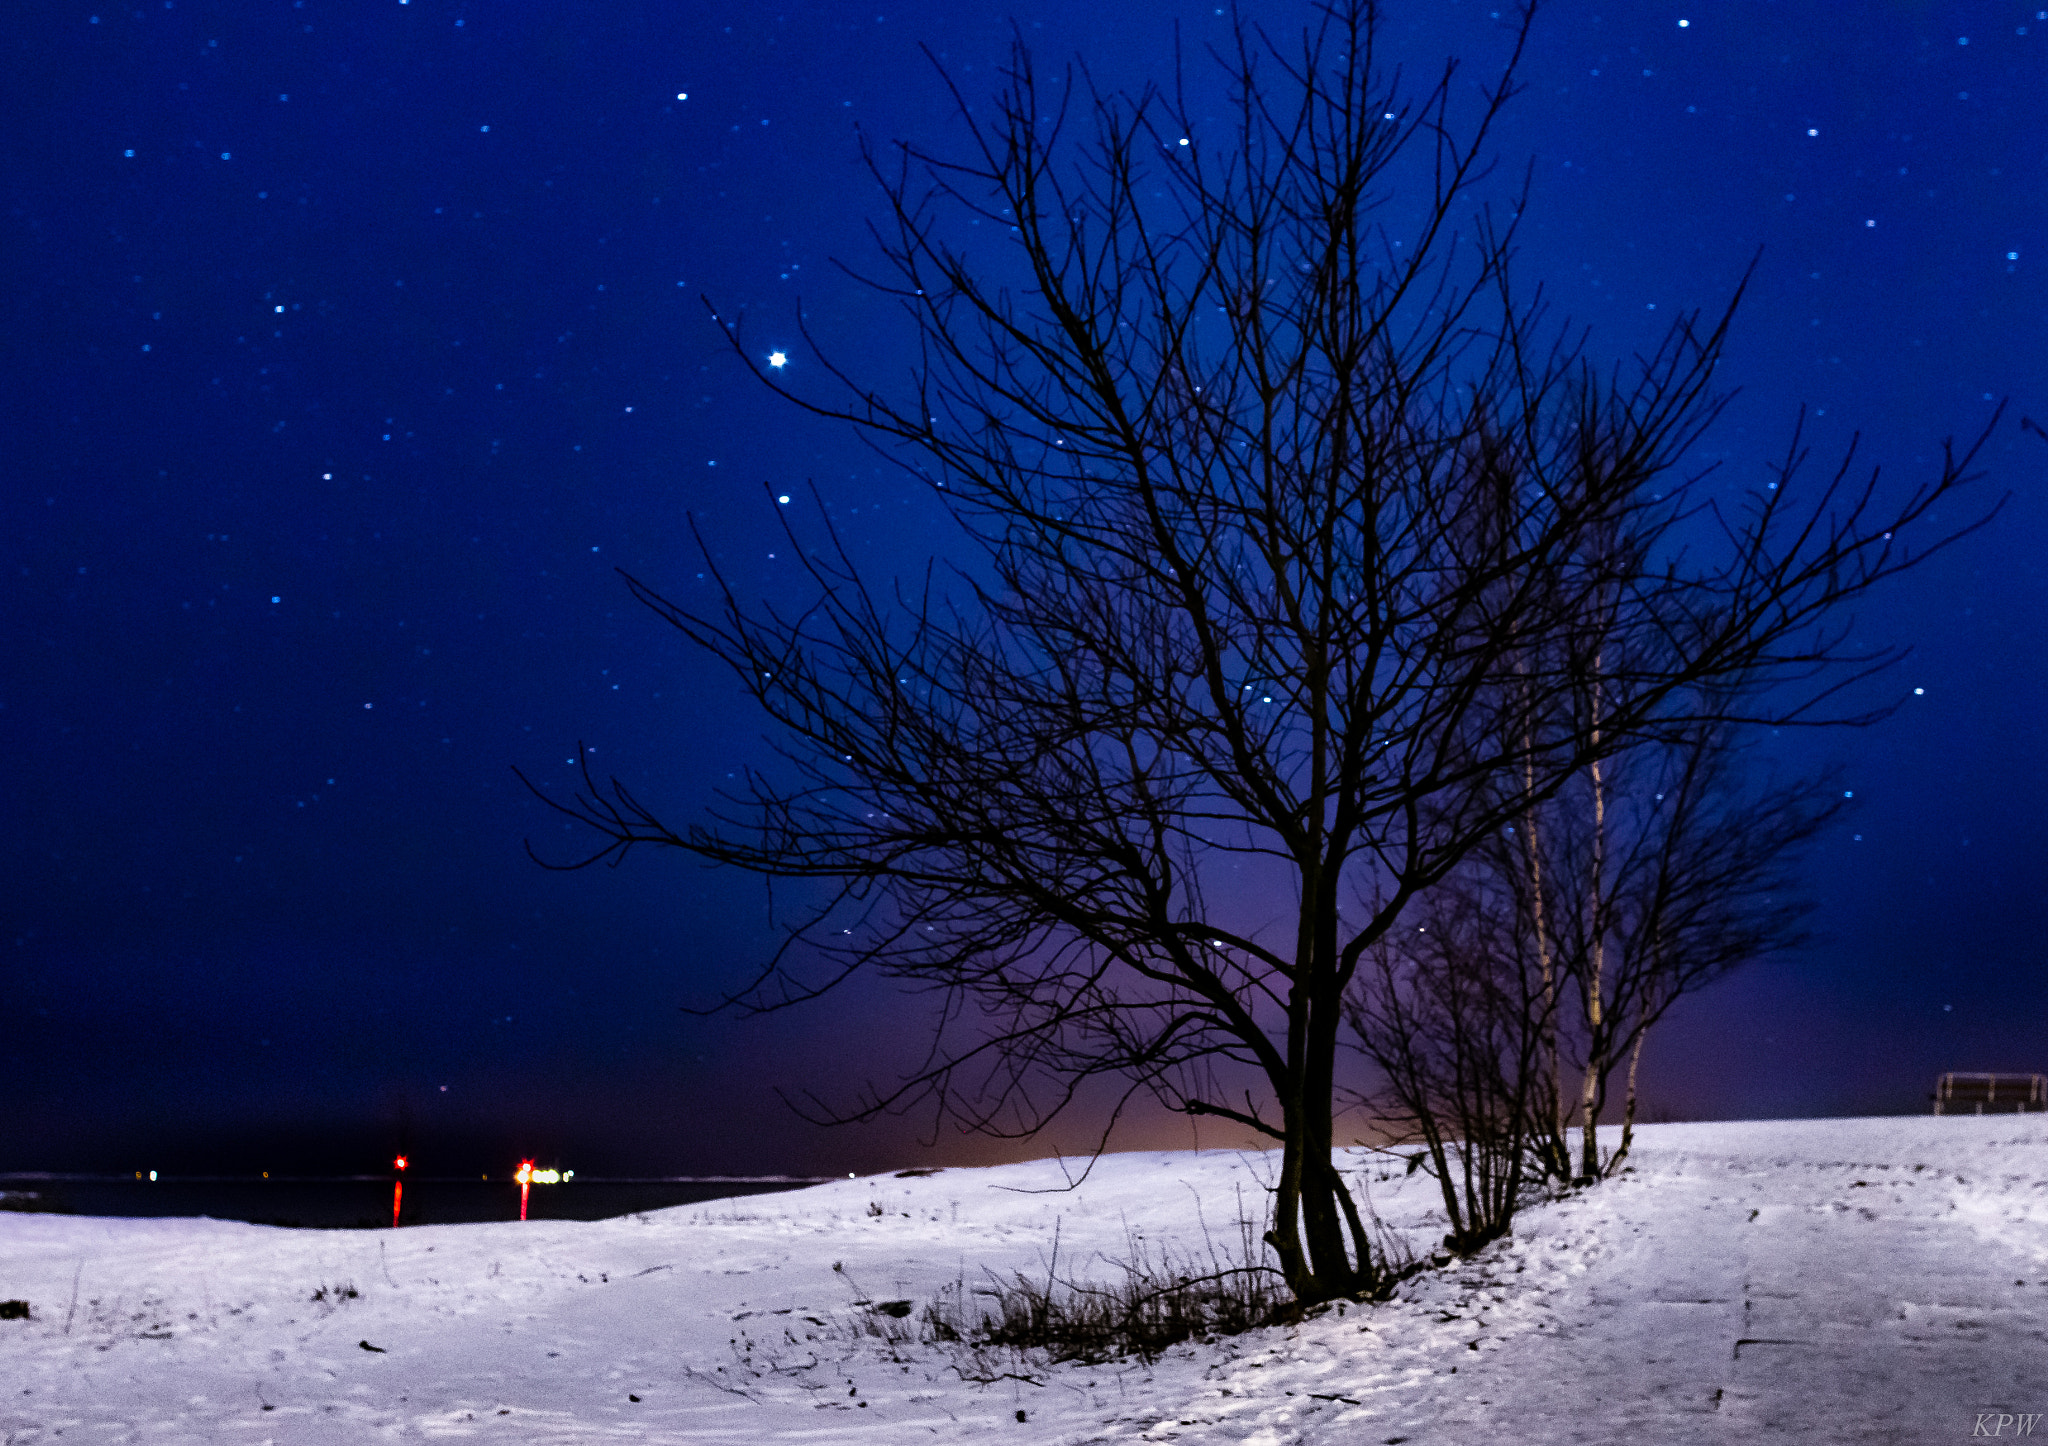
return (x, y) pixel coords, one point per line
(1557, 945)
(1661, 870)
(1272, 502)
(1454, 1013)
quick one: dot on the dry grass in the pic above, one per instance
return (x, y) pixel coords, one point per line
(1155, 1298)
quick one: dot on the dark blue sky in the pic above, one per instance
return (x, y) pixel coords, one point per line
(349, 347)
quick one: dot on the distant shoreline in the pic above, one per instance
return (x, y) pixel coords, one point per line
(26, 1177)
(368, 1201)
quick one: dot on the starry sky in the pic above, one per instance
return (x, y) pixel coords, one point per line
(351, 346)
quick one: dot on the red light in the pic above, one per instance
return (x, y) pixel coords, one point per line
(399, 1162)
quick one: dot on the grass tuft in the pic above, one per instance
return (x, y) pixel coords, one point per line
(1156, 1298)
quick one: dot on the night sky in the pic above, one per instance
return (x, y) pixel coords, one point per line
(349, 347)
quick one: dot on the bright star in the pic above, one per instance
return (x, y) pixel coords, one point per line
(778, 359)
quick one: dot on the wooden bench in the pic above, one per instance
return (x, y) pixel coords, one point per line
(1978, 1094)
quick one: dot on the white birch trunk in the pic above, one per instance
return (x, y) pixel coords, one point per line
(1589, 1088)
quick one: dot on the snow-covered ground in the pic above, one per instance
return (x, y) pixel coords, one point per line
(1831, 1280)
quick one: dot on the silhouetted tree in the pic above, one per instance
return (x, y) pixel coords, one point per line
(1454, 1010)
(1547, 956)
(1663, 869)
(1277, 485)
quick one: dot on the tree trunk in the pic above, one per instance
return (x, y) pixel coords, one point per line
(1596, 963)
(1551, 1076)
(1312, 1206)
(1285, 1235)
(1628, 1108)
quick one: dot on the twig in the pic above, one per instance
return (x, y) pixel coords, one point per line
(693, 1373)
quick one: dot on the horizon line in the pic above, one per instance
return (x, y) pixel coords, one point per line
(25, 1176)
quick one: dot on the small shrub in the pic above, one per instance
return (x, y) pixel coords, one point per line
(13, 1310)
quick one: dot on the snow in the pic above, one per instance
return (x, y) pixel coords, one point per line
(1837, 1280)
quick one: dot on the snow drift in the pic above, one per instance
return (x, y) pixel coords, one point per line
(1838, 1280)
